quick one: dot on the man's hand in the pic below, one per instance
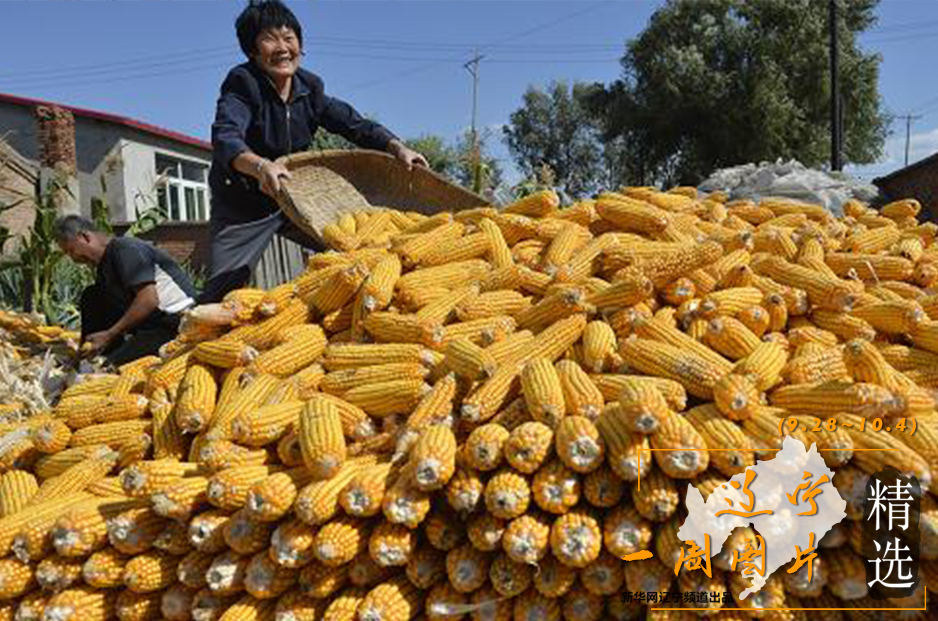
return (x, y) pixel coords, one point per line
(269, 177)
(96, 342)
(407, 155)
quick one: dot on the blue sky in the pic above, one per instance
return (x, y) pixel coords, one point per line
(400, 61)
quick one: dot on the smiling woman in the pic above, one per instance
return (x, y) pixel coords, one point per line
(270, 107)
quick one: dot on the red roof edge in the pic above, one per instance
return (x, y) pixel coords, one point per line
(110, 118)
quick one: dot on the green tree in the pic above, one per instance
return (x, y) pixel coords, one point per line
(714, 83)
(554, 127)
(491, 171)
(441, 157)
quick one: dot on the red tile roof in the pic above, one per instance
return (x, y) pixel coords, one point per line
(110, 118)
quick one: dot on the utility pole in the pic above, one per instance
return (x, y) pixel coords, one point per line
(836, 127)
(908, 132)
(473, 68)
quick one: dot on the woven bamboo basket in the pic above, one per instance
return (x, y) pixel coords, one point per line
(326, 184)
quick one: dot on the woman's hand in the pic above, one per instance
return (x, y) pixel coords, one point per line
(407, 155)
(269, 175)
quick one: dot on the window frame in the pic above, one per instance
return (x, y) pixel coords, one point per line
(169, 180)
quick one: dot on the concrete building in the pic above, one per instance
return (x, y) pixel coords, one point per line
(130, 164)
(919, 181)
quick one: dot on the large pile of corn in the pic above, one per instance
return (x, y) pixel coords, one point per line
(446, 417)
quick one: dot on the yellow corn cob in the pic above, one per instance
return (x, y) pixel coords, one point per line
(555, 488)
(492, 304)
(218, 455)
(527, 538)
(764, 365)
(543, 392)
(179, 499)
(414, 249)
(266, 424)
(391, 545)
(485, 532)
(225, 575)
(465, 491)
(266, 580)
(251, 395)
(822, 290)
(507, 495)
(599, 346)
(206, 533)
(90, 385)
(387, 398)
(249, 608)
(658, 498)
(208, 606)
(57, 574)
(293, 354)
(16, 578)
(340, 540)
(272, 497)
(353, 355)
(196, 399)
(484, 448)
(176, 603)
(224, 354)
(528, 446)
(76, 478)
(641, 408)
(730, 301)
(670, 335)
(729, 337)
(835, 398)
(581, 396)
(320, 582)
(871, 267)
(468, 360)
(698, 375)
(17, 488)
(146, 478)
(433, 457)
(719, 433)
(322, 441)
(498, 248)
(338, 290)
(680, 438)
(626, 532)
(318, 502)
(388, 327)
(604, 576)
(82, 602)
(246, 536)
(84, 529)
(150, 571)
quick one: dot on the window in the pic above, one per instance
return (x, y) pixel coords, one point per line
(182, 192)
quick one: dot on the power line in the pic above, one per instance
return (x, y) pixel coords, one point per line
(524, 33)
(905, 26)
(162, 59)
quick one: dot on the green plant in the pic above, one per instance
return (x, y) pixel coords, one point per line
(39, 253)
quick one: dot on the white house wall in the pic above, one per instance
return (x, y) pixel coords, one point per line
(124, 155)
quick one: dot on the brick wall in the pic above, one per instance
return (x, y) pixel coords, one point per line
(56, 134)
(918, 182)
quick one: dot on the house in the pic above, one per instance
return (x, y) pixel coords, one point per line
(919, 181)
(133, 166)
(130, 164)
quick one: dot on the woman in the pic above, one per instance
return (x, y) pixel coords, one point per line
(270, 107)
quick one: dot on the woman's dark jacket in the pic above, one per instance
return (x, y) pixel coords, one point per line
(250, 115)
